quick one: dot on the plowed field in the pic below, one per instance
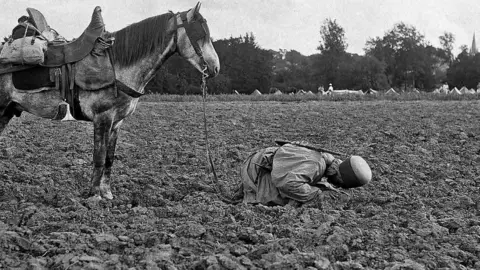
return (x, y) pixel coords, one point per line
(421, 211)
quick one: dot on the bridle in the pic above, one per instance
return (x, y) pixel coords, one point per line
(196, 30)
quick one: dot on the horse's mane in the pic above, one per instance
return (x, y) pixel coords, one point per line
(140, 39)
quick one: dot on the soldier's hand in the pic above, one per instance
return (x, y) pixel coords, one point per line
(326, 186)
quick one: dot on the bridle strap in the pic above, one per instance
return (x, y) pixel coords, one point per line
(190, 32)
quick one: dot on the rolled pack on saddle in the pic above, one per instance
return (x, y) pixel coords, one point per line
(26, 50)
(42, 59)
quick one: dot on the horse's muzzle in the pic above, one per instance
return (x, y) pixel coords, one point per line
(213, 71)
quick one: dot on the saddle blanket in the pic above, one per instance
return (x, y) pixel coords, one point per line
(94, 72)
(34, 78)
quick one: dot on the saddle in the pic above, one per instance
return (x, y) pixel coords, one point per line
(76, 50)
(83, 63)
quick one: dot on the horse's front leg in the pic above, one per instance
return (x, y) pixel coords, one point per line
(102, 126)
(111, 146)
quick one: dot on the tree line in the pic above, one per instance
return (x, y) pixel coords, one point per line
(401, 59)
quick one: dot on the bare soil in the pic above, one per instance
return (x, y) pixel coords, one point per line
(421, 211)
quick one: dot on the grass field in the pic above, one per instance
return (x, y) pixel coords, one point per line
(421, 211)
(310, 97)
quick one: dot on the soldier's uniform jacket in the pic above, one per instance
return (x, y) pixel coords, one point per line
(276, 175)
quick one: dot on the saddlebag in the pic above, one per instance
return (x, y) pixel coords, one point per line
(24, 51)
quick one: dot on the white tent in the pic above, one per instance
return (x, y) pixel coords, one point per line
(472, 91)
(468, 91)
(310, 93)
(391, 91)
(416, 91)
(301, 92)
(256, 93)
(236, 92)
(436, 91)
(278, 92)
(455, 91)
(464, 90)
(371, 92)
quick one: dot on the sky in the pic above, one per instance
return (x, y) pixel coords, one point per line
(279, 24)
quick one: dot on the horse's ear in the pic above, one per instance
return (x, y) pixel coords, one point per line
(194, 11)
(197, 7)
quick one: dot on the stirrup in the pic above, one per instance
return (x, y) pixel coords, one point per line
(63, 113)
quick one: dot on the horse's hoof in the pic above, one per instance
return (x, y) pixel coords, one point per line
(104, 192)
(93, 201)
(107, 195)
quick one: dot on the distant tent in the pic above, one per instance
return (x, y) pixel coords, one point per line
(371, 92)
(455, 91)
(278, 92)
(467, 91)
(256, 93)
(472, 91)
(436, 91)
(291, 93)
(301, 92)
(273, 90)
(415, 90)
(391, 91)
(310, 93)
(464, 90)
(236, 92)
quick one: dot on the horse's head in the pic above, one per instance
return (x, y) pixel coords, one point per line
(193, 41)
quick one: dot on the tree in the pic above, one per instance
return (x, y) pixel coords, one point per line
(409, 59)
(446, 41)
(465, 70)
(332, 38)
(332, 48)
(247, 66)
(370, 73)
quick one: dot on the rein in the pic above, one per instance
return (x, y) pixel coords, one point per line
(196, 30)
(218, 187)
(207, 145)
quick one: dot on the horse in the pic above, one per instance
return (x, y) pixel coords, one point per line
(139, 51)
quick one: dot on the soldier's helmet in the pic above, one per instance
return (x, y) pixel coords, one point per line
(355, 172)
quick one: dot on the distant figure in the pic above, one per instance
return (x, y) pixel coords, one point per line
(445, 87)
(330, 88)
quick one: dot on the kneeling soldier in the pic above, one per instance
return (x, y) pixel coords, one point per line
(295, 174)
